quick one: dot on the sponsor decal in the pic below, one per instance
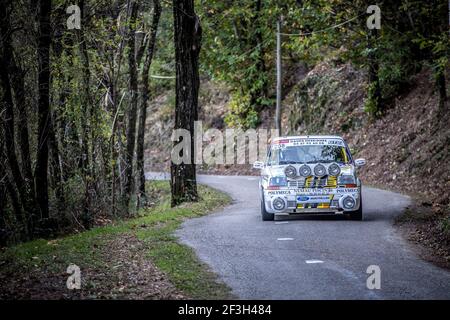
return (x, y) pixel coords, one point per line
(279, 192)
(305, 141)
(313, 199)
(312, 191)
(281, 141)
(324, 191)
(347, 190)
(279, 146)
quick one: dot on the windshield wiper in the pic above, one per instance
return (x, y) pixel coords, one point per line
(321, 161)
(287, 162)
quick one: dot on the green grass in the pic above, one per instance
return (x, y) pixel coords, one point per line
(154, 226)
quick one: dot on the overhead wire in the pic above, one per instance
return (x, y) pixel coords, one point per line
(322, 30)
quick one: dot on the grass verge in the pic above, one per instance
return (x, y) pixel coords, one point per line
(153, 229)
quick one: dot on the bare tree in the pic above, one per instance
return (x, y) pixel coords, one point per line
(132, 109)
(86, 156)
(11, 79)
(41, 178)
(144, 99)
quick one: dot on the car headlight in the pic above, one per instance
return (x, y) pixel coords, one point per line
(347, 180)
(319, 170)
(278, 204)
(290, 172)
(278, 182)
(305, 171)
(348, 202)
(334, 169)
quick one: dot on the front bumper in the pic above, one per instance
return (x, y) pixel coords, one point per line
(312, 200)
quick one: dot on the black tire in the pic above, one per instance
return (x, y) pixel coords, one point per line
(266, 216)
(357, 215)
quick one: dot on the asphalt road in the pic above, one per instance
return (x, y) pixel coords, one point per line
(310, 257)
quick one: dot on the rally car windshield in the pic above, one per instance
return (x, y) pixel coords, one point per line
(307, 154)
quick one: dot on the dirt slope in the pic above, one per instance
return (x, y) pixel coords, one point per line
(407, 150)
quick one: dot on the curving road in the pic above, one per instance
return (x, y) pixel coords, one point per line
(310, 257)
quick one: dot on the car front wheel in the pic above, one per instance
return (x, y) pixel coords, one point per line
(266, 216)
(357, 214)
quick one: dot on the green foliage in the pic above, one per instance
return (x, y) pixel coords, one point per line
(242, 113)
(371, 104)
(163, 63)
(438, 46)
(444, 225)
(239, 47)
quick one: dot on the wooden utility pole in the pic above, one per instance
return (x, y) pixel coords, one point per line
(278, 107)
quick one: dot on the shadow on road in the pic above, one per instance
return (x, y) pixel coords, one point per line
(316, 217)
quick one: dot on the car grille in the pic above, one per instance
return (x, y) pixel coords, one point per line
(291, 204)
(314, 182)
(323, 205)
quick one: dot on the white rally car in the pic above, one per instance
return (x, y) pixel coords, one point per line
(310, 175)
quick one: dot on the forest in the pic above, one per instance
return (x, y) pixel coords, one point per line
(78, 76)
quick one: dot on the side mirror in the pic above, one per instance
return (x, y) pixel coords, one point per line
(258, 165)
(360, 162)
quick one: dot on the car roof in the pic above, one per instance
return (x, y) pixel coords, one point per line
(307, 137)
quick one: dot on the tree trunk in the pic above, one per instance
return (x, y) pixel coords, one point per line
(374, 93)
(24, 187)
(86, 156)
(441, 84)
(56, 173)
(61, 46)
(21, 230)
(132, 110)
(142, 198)
(6, 188)
(263, 91)
(8, 138)
(18, 83)
(187, 37)
(3, 177)
(41, 178)
(3, 202)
